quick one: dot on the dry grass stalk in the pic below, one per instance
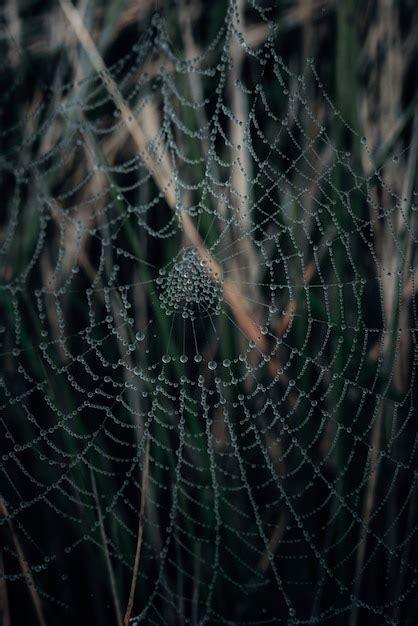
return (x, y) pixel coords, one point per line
(144, 497)
(14, 26)
(115, 597)
(388, 348)
(4, 600)
(381, 115)
(241, 168)
(133, 12)
(36, 600)
(367, 508)
(275, 452)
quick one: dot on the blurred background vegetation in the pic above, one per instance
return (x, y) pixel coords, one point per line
(96, 121)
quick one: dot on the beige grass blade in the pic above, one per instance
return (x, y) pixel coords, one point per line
(115, 597)
(144, 496)
(4, 600)
(36, 600)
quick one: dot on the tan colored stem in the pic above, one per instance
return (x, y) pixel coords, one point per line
(144, 495)
(113, 587)
(4, 600)
(26, 571)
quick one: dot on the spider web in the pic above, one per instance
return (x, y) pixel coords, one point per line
(198, 318)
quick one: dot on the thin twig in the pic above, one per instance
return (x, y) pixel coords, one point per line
(4, 600)
(115, 596)
(36, 600)
(144, 492)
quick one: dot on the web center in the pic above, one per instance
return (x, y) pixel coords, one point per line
(187, 287)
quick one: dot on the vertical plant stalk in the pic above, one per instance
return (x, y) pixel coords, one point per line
(36, 600)
(389, 354)
(347, 84)
(14, 26)
(113, 588)
(4, 600)
(367, 510)
(144, 497)
(241, 166)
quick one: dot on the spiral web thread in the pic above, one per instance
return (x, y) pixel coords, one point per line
(280, 430)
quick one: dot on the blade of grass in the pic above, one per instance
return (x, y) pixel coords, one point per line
(144, 493)
(36, 600)
(113, 588)
(4, 600)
